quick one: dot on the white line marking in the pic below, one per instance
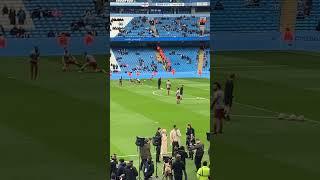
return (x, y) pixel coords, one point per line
(257, 108)
(270, 111)
(248, 116)
(261, 66)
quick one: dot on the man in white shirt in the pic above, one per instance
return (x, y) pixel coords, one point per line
(175, 136)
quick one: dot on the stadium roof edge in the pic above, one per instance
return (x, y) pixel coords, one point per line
(162, 15)
(146, 4)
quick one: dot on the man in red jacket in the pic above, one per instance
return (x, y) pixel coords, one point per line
(2, 41)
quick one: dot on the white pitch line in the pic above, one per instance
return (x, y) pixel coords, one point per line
(257, 108)
(270, 111)
(262, 66)
(248, 116)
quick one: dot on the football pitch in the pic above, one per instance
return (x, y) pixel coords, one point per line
(138, 110)
(256, 144)
(52, 128)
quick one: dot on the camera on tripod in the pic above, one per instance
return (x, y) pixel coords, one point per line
(167, 159)
(156, 141)
(209, 136)
(140, 141)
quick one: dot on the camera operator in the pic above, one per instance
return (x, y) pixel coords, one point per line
(157, 138)
(131, 172)
(113, 165)
(199, 147)
(190, 141)
(145, 153)
(121, 168)
(167, 168)
(148, 169)
(178, 168)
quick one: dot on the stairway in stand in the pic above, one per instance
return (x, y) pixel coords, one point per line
(200, 60)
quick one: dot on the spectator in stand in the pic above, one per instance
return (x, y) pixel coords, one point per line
(21, 16)
(36, 13)
(5, 10)
(12, 16)
(51, 34)
(318, 26)
(14, 31)
(2, 41)
(56, 13)
(219, 5)
(2, 30)
(21, 32)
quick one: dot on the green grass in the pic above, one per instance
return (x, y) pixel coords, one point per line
(263, 147)
(138, 110)
(55, 127)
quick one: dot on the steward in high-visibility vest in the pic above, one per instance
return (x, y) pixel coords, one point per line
(204, 172)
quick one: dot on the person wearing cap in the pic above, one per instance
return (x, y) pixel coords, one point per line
(204, 172)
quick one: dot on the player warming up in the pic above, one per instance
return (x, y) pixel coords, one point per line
(178, 96)
(168, 86)
(120, 81)
(228, 96)
(90, 61)
(34, 63)
(67, 60)
(218, 105)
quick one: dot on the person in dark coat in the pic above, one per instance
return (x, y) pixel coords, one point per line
(121, 168)
(148, 169)
(130, 171)
(199, 147)
(145, 153)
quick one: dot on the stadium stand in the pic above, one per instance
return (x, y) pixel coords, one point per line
(308, 12)
(147, 59)
(240, 15)
(48, 18)
(164, 27)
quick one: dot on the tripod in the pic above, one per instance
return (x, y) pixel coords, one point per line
(155, 147)
(138, 150)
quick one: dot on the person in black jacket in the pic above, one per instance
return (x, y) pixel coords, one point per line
(178, 168)
(148, 169)
(131, 172)
(113, 165)
(199, 147)
(228, 96)
(158, 147)
(159, 83)
(121, 168)
(190, 141)
(182, 152)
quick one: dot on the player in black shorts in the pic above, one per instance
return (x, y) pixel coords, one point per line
(228, 96)
(34, 63)
(181, 92)
(120, 81)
